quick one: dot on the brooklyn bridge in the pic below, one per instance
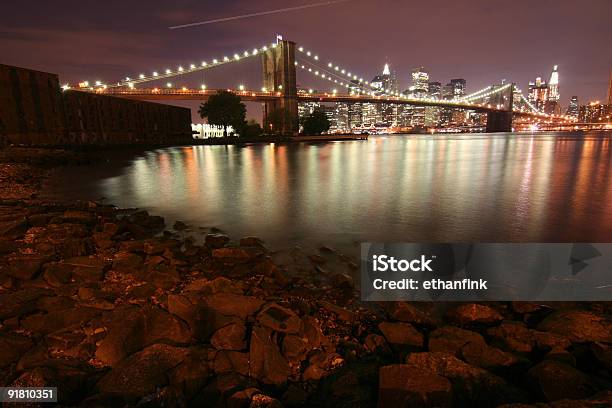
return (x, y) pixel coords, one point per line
(282, 60)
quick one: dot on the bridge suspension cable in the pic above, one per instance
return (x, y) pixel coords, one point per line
(183, 70)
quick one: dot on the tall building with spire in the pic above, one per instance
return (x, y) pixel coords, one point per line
(386, 84)
(553, 85)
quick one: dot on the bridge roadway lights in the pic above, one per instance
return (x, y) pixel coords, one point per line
(278, 65)
(500, 121)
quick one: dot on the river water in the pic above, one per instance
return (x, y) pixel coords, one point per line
(443, 188)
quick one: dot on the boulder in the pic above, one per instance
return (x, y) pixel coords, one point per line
(237, 253)
(452, 339)
(472, 386)
(279, 319)
(267, 363)
(401, 385)
(401, 334)
(142, 373)
(230, 337)
(230, 304)
(578, 326)
(24, 267)
(12, 347)
(405, 312)
(473, 313)
(216, 240)
(131, 328)
(553, 380)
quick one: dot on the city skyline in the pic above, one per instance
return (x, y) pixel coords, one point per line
(112, 46)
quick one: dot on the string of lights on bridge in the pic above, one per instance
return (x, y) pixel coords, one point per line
(331, 72)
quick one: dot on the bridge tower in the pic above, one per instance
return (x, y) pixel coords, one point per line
(501, 121)
(278, 65)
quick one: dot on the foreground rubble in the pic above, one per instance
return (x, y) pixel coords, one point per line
(115, 311)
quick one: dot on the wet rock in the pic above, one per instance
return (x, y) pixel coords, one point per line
(401, 385)
(143, 372)
(251, 242)
(191, 374)
(143, 219)
(7, 246)
(342, 313)
(132, 328)
(514, 336)
(211, 287)
(279, 319)
(473, 313)
(12, 347)
(553, 380)
(231, 361)
(24, 267)
(405, 312)
(295, 347)
(180, 226)
(14, 229)
(216, 240)
(160, 246)
(375, 343)
(267, 363)
(578, 326)
(264, 401)
(492, 359)
(230, 337)
(342, 281)
(230, 304)
(202, 319)
(127, 261)
(603, 353)
(401, 334)
(86, 269)
(452, 339)
(351, 385)
(45, 323)
(79, 217)
(20, 302)
(237, 253)
(472, 386)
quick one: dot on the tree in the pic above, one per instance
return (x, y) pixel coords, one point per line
(316, 123)
(224, 109)
(251, 129)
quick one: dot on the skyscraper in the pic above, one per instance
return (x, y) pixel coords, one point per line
(573, 107)
(538, 93)
(458, 85)
(553, 85)
(385, 84)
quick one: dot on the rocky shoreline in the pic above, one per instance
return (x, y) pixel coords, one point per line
(114, 310)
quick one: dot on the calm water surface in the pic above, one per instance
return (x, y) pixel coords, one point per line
(468, 187)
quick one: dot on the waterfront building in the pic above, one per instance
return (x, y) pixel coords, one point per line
(205, 130)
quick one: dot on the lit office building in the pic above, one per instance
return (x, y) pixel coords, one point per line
(458, 86)
(433, 115)
(538, 93)
(573, 107)
(595, 112)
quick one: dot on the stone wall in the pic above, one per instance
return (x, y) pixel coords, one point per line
(35, 111)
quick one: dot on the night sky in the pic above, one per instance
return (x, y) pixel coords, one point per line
(483, 41)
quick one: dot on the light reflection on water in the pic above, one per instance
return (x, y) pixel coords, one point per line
(459, 188)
